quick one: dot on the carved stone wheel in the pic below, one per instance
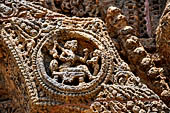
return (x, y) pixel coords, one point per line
(75, 75)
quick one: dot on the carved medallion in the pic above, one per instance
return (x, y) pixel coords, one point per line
(72, 62)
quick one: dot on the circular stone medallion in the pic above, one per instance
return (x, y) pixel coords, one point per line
(72, 62)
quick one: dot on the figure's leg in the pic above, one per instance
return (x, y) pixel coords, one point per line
(87, 72)
(96, 69)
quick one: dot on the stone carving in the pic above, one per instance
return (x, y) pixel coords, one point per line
(71, 64)
(163, 34)
(136, 52)
(74, 60)
(142, 15)
(69, 58)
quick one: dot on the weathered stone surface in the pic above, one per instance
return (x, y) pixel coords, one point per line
(142, 15)
(163, 34)
(52, 63)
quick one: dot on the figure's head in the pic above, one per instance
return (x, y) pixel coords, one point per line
(71, 45)
(96, 52)
(54, 65)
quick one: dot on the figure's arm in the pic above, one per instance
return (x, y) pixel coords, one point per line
(58, 46)
(66, 56)
(62, 57)
(54, 52)
(86, 54)
(84, 59)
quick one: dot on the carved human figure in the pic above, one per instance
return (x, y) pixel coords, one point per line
(68, 58)
(68, 55)
(54, 65)
(94, 61)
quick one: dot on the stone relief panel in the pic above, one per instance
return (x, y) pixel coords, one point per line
(72, 61)
(71, 64)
